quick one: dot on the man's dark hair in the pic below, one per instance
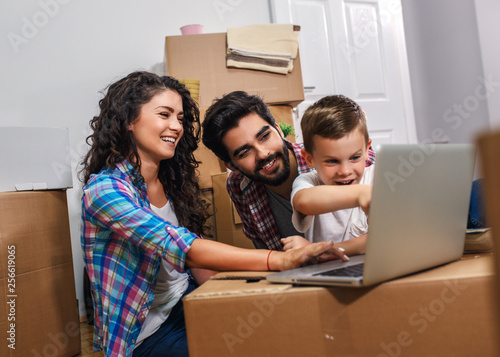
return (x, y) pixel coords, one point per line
(225, 114)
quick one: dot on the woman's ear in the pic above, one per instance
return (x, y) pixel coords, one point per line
(308, 157)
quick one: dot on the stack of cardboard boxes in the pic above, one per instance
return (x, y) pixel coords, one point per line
(446, 311)
(38, 305)
(203, 57)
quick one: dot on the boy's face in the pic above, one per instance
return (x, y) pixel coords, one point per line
(258, 151)
(339, 161)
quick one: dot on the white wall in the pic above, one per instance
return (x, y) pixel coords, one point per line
(57, 55)
(446, 68)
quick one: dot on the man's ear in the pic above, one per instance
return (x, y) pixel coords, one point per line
(308, 157)
(230, 166)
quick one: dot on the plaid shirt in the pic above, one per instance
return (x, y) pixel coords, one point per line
(251, 203)
(123, 242)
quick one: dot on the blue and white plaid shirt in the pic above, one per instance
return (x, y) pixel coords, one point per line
(123, 242)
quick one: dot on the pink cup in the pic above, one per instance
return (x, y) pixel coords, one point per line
(192, 29)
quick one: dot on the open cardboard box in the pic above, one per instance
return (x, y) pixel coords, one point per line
(203, 57)
(446, 311)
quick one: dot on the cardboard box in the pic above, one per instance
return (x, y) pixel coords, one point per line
(446, 311)
(203, 57)
(283, 113)
(38, 304)
(489, 146)
(34, 159)
(208, 195)
(227, 220)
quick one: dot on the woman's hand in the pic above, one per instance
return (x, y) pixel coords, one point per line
(310, 254)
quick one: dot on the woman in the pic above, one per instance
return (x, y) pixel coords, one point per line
(142, 217)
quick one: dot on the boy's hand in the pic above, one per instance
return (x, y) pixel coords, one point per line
(365, 198)
(294, 242)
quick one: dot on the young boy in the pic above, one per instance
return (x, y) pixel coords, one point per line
(328, 202)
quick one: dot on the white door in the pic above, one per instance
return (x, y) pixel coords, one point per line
(355, 48)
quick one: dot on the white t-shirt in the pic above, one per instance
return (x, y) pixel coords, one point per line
(339, 225)
(170, 285)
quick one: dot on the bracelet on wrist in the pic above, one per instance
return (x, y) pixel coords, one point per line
(268, 268)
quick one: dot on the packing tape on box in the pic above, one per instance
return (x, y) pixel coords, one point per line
(193, 86)
(31, 186)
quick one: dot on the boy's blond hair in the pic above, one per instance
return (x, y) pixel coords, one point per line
(332, 117)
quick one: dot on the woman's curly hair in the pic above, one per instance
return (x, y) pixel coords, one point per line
(111, 142)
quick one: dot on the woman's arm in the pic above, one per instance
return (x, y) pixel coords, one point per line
(328, 198)
(111, 202)
(218, 256)
(202, 275)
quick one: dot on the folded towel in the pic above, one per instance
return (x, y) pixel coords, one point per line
(267, 47)
(267, 64)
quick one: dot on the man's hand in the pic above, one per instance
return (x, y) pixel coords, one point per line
(294, 242)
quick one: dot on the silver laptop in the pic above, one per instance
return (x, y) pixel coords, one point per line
(417, 218)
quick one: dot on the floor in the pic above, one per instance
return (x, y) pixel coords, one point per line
(86, 333)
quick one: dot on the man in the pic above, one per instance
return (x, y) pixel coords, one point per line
(241, 131)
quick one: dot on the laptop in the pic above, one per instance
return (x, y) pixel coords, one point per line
(417, 219)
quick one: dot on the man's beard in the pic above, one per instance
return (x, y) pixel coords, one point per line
(282, 173)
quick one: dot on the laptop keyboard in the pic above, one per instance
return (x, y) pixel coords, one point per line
(351, 271)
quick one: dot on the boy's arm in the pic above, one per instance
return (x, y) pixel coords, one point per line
(353, 246)
(327, 198)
